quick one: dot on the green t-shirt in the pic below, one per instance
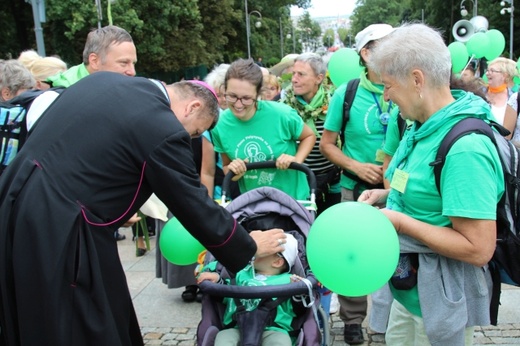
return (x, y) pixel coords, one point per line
(284, 312)
(471, 181)
(364, 132)
(273, 130)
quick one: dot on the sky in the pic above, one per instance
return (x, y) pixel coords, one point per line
(327, 8)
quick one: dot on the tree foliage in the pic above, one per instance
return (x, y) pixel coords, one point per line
(169, 35)
(440, 14)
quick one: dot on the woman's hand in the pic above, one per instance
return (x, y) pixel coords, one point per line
(238, 166)
(284, 161)
(374, 196)
(135, 218)
(268, 242)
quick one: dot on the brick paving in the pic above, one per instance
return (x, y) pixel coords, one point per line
(158, 306)
(503, 334)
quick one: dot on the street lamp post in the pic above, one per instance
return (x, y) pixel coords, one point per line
(464, 12)
(38, 9)
(511, 10)
(293, 39)
(248, 27)
(281, 39)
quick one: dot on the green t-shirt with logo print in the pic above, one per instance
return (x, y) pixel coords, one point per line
(273, 130)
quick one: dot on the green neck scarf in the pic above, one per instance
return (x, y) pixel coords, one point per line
(309, 112)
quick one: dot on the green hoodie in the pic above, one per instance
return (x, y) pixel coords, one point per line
(472, 183)
(69, 77)
(466, 105)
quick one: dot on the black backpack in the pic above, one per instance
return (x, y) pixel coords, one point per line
(506, 258)
(13, 124)
(14, 132)
(350, 93)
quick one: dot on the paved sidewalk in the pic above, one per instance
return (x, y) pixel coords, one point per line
(166, 320)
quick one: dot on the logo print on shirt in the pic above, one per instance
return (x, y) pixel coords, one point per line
(256, 149)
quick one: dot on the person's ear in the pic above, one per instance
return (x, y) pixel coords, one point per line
(193, 107)
(94, 62)
(6, 94)
(418, 80)
(364, 53)
(319, 79)
(278, 262)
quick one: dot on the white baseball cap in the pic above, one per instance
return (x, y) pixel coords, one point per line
(371, 33)
(291, 250)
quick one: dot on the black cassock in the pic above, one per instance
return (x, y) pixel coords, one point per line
(92, 160)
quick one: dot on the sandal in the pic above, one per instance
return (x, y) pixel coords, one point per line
(190, 294)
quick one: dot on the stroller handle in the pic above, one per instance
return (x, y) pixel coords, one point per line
(254, 292)
(311, 178)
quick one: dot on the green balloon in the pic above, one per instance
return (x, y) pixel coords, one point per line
(177, 245)
(344, 66)
(459, 56)
(478, 45)
(497, 43)
(353, 249)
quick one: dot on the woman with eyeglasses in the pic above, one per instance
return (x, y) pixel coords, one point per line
(253, 130)
(500, 74)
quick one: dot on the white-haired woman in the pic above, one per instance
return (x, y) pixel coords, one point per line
(452, 234)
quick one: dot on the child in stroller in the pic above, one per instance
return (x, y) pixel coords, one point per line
(270, 270)
(262, 209)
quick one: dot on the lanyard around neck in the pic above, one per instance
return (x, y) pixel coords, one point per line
(384, 117)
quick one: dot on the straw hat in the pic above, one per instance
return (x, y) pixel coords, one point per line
(287, 61)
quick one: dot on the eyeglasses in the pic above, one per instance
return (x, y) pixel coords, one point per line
(246, 100)
(490, 70)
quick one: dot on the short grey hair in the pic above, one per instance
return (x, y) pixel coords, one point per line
(15, 76)
(315, 61)
(210, 108)
(413, 46)
(100, 40)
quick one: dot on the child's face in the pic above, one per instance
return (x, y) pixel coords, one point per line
(272, 264)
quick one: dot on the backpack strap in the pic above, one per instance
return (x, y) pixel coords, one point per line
(462, 128)
(350, 93)
(401, 125)
(518, 103)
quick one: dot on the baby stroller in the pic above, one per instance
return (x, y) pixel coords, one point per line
(265, 208)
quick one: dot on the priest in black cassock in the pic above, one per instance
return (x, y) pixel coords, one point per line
(89, 164)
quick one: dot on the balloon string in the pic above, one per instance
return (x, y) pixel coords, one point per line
(469, 62)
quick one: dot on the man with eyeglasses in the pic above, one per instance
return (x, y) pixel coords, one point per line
(361, 158)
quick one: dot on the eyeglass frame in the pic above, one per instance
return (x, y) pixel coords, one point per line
(492, 70)
(241, 99)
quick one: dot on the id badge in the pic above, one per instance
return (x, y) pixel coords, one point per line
(399, 180)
